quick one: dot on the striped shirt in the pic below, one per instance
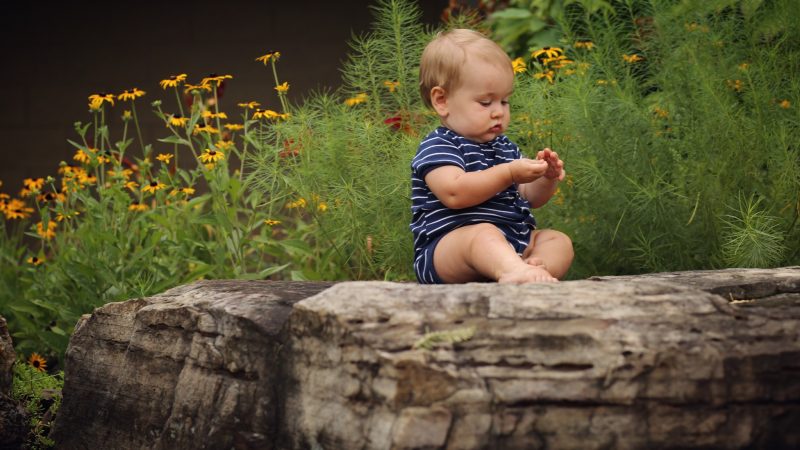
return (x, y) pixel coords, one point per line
(431, 219)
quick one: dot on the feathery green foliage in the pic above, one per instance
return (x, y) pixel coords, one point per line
(354, 148)
(660, 147)
(665, 112)
(40, 393)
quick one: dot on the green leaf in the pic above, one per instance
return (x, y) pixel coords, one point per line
(175, 140)
(75, 144)
(511, 14)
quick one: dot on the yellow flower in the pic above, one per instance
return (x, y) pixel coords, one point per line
(283, 87)
(126, 115)
(549, 74)
(322, 206)
(97, 100)
(519, 65)
(198, 87)
(558, 62)
(173, 81)
(588, 45)
(744, 66)
(391, 85)
(272, 222)
(132, 94)
(249, 105)
(662, 113)
(187, 191)
(359, 98)
(164, 157)
(37, 362)
(49, 233)
(265, 114)
(177, 120)
(222, 145)
(547, 52)
(214, 78)
(48, 197)
(64, 216)
(211, 156)
(136, 206)
(233, 126)
(631, 59)
(210, 115)
(205, 129)
(269, 56)
(35, 260)
(299, 203)
(104, 158)
(154, 186)
(736, 85)
(81, 156)
(33, 185)
(785, 104)
(16, 209)
(132, 185)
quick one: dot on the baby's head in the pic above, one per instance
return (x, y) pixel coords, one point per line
(467, 79)
(448, 54)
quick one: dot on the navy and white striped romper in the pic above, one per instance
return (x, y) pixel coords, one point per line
(431, 220)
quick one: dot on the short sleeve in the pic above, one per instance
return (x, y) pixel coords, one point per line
(435, 151)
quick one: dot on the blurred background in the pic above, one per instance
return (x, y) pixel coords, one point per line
(57, 54)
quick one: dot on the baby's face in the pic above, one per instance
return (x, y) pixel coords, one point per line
(478, 108)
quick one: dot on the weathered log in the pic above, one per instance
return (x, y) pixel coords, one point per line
(195, 367)
(686, 360)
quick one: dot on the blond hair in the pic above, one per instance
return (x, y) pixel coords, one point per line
(445, 56)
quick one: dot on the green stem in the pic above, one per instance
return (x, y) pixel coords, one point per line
(175, 153)
(94, 137)
(216, 109)
(138, 129)
(178, 98)
(244, 147)
(122, 147)
(277, 83)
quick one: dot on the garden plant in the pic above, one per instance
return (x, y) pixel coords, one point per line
(677, 120)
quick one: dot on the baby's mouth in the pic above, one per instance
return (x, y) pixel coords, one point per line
(496, 129)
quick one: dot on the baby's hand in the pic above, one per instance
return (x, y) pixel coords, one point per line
(555, 166)
(526, 170)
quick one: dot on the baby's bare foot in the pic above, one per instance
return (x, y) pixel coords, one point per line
(527, 274)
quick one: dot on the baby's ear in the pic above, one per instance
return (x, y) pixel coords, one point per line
(439, 101)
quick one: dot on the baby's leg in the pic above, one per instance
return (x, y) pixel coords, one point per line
(479, 252)
(551, 250)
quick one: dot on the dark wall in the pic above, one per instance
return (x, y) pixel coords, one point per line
(56, 55)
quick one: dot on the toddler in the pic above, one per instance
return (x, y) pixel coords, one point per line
(472, 191)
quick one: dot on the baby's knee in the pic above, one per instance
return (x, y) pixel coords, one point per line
(559, 238)
(486, 234)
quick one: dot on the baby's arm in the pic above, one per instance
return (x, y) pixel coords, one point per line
(541, 190)
(458, 189)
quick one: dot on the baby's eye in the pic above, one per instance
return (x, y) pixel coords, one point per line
(504, 102)
(485, 102)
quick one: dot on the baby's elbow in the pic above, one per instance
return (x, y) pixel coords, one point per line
(453, 201)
